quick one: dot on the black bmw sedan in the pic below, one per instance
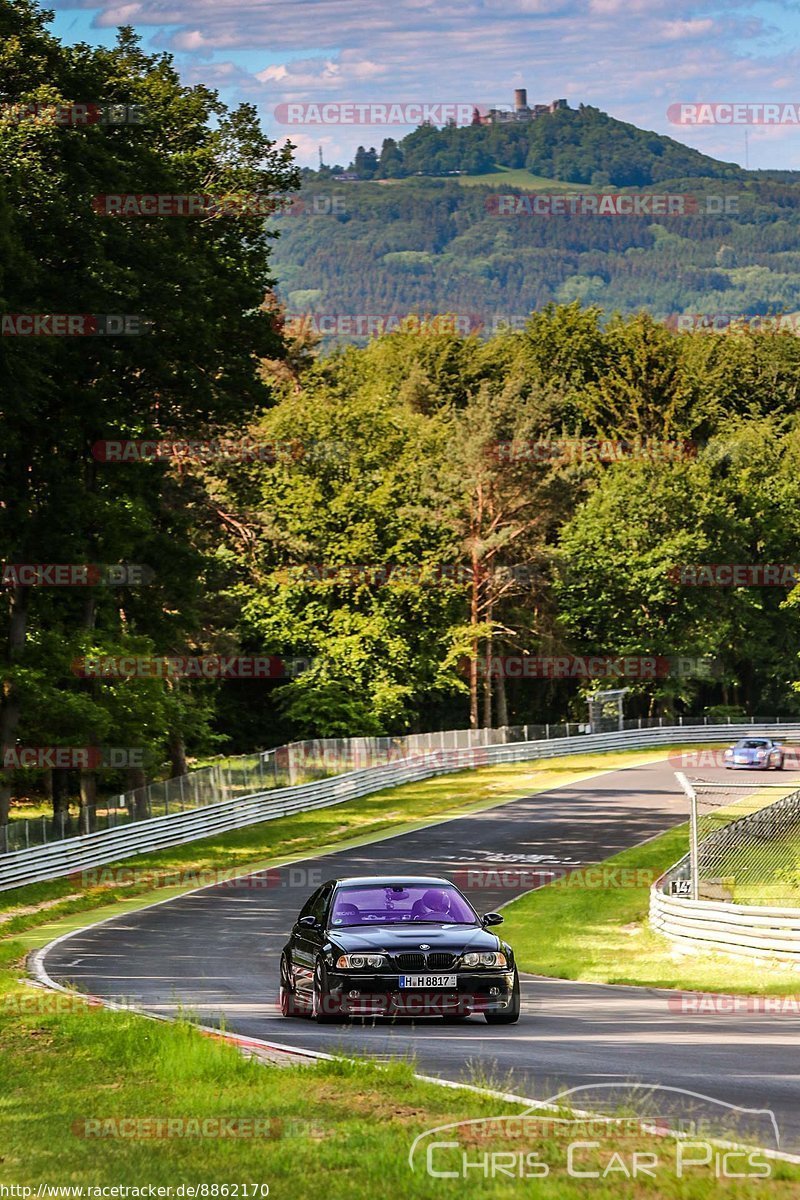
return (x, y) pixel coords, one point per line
(389, 946)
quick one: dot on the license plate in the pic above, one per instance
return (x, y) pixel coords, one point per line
(427, 981)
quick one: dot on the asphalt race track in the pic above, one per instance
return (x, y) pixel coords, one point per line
(216, 953)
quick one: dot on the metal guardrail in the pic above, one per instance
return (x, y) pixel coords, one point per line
(743, 930)
(288, 766)
(75, 854)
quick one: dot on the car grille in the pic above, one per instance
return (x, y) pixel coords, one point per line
(418, 962)
(411, 962)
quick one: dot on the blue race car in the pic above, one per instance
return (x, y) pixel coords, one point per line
(755, 752)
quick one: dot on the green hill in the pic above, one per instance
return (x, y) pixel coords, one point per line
(582, 145)
(416, 243)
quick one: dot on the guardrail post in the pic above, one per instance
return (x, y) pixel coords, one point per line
(694, 849)
(5, 837)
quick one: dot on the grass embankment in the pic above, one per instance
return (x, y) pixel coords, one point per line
(87, 1097)
(44, 907)
(602, 935)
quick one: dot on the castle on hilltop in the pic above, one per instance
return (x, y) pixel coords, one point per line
(520, 112)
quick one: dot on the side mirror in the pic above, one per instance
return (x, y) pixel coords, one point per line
(309, 922)
(493, 919)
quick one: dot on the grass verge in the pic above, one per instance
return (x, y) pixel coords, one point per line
(600, 934)
(92, 1098)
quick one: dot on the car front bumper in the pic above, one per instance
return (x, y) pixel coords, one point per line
(355, 994)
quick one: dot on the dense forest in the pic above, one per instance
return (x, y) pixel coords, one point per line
(437, 246)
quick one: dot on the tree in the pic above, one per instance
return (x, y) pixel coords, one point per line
(198, 282)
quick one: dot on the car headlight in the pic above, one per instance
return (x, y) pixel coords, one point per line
(360, 960)
(484, 960)
(728, 754)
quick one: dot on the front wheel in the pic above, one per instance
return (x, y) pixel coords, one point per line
(510, 1015)
(288, 1000)
(779, 765)
(321, 1000)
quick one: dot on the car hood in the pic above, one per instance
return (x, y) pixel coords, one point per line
(749, 755)
(397, 939)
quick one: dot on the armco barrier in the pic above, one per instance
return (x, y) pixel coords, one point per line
(743, 930)
(79, 853)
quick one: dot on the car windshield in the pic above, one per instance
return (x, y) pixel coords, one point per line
(751, 744)
(395, 905)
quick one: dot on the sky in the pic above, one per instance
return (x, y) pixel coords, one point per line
(630, 58)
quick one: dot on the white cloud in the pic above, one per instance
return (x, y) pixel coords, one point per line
(632, 58)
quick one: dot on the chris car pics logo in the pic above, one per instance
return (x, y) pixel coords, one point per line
(666, 1134)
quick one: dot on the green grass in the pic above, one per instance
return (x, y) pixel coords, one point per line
(601, 934)
(519, 177)
(52, 908)
(337, 1128)
(768, 873)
